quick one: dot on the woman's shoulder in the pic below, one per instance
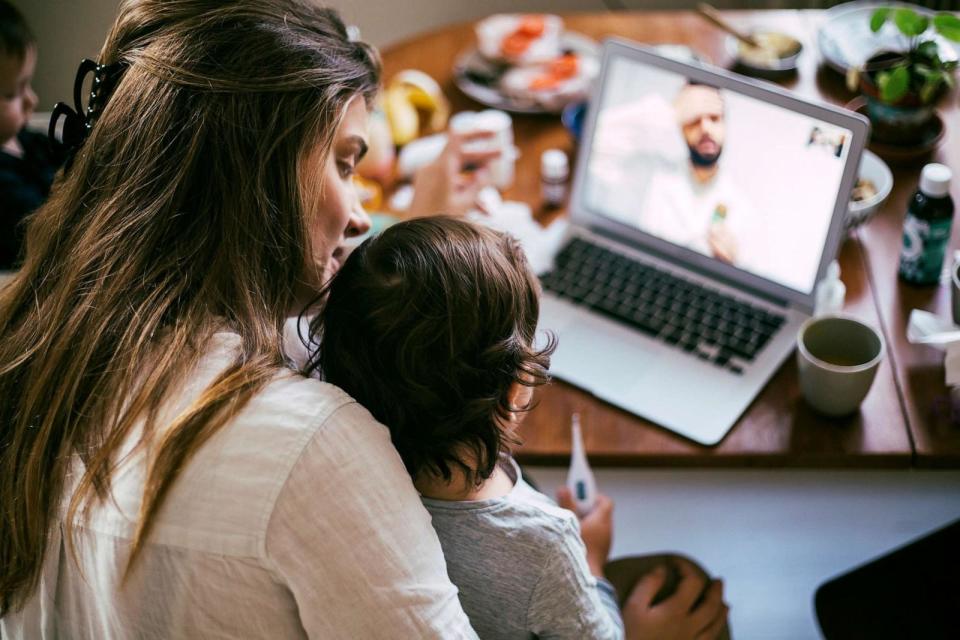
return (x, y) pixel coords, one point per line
(288, 405)
(305, 421)
(234, 481)
(293, 401)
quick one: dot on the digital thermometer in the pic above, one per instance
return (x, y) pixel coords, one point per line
(580, 480)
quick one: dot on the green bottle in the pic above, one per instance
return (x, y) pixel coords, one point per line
(926, 229)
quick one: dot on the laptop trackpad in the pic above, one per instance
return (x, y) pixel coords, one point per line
(602, 357)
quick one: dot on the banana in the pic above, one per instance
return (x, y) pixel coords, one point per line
(421, 93)
(402, 115)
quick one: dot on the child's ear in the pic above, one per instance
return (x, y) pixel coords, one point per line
(518, 396)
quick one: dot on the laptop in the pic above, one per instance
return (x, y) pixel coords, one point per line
(705, 208)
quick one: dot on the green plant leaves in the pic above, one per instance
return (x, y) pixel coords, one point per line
(878, 18)
(923, 71)
(910, 23)
(893, 84)
(947, 25)
(932, 80)
(928, 49)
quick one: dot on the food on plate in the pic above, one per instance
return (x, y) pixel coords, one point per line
(516, 38)
(556, 71)
(551, 84)
(526, 62)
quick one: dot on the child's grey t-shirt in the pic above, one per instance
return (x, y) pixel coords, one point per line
(521, 567)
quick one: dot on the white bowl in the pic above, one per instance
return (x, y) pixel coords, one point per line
(876, 170)
(752, 60)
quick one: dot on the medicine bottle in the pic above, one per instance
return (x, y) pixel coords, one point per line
(554, 171)
(926, 229)
(830, 292)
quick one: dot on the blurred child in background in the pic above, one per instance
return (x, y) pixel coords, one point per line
(27, 163)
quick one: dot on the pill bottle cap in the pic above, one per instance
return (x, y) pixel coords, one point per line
(935, 180)
(554, 164)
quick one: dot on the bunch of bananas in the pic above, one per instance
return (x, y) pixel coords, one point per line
(415, 106)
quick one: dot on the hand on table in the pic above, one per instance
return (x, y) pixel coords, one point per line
(685, 615)
(450, 184)
(596, 528)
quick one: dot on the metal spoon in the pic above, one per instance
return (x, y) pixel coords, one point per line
(713, 16)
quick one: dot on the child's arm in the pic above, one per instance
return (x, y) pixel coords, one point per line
(673, 618)
(571, 600)
(596, 529)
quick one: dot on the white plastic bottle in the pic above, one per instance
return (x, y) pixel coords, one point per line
(500, 124)
(580, 480)
(831, 292)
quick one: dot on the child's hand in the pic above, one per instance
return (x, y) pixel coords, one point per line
(596, 528)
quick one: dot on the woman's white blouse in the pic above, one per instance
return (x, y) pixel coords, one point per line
(297, 519)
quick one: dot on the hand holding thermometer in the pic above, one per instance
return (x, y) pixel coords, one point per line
(580, 480)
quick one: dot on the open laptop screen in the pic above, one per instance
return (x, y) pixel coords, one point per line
(729, 176)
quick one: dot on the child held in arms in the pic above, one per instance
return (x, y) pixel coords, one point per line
(430, 326)
(27, 164)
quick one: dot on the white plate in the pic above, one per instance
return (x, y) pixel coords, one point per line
(490, 95)
(845, 39)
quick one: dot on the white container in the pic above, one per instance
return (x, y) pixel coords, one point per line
(830, 293)
(501, 125)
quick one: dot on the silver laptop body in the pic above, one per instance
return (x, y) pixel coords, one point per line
(686, 391)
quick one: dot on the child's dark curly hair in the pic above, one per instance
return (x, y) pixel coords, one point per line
(427, 326)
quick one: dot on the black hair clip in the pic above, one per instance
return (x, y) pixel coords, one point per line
(78, 122)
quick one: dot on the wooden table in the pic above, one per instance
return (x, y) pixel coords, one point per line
(906, 417)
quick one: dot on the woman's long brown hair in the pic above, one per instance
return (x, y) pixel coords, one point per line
(182, 215)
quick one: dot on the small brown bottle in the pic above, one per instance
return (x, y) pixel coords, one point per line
(554, 172)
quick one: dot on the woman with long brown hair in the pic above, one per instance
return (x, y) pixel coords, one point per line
(162, 473)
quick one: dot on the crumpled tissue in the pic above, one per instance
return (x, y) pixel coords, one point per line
(540, 244)
(940, 333)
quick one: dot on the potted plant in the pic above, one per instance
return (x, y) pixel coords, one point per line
(901, 87)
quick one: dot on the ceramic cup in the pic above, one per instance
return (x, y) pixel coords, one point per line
(838, 357)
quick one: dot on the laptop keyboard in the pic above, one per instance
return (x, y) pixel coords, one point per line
(683, 314)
